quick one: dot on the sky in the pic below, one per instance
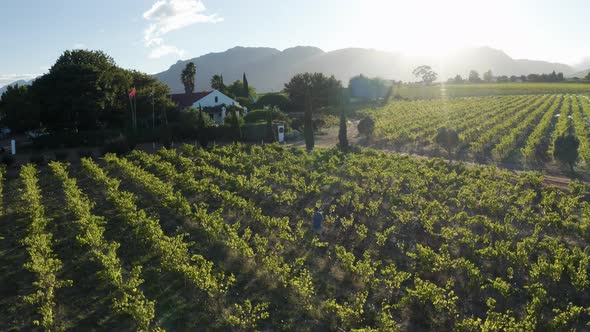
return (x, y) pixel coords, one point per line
(151, 35)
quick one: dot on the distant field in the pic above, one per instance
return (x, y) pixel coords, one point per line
(518, 130)
(478, 90)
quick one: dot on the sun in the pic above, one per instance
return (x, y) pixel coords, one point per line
(428, 27)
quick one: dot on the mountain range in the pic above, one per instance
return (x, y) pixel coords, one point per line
(268, 69)
(19, 82)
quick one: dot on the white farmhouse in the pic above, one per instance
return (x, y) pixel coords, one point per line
(211, 102)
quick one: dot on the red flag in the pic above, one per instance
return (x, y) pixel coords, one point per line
(132, 93)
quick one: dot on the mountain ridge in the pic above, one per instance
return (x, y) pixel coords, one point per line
(268, 69)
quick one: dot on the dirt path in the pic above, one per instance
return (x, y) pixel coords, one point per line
(328, 137)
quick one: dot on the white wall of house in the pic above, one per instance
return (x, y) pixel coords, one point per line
(215, 98)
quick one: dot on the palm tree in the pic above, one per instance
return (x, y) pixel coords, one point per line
(217, 82)
(188, 77)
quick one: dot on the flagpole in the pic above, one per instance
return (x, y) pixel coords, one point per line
(134, 112)
(153, 111)
(131, 109)
(135, 107)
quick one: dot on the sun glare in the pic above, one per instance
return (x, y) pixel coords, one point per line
(436, 28)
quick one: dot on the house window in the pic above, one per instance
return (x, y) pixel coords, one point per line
(216, 99)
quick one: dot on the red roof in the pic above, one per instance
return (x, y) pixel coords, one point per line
(184, 100)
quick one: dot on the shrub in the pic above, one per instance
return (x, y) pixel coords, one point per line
(273, 99)
(119, 145)
(229, 120)
(193, 118)
(447, 138)
(366, 127)
(566, 150)
(245, 102)
(330, 120)
(263, 115)
(293, 135)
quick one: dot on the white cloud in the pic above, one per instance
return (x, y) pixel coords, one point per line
(80, 46)
(169, 15)
(162, 50)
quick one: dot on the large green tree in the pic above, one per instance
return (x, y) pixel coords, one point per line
(425, 73)
(151, 99)
(320, 89)
(273, 99)
(79, 89)
(236, 90)
(474, 77)
(86, 90)
(188, 77)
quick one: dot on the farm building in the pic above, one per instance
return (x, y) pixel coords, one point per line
(211, 102)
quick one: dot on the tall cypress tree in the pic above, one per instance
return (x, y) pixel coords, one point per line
(269, 134)
(202, 135)
(308, 123)
(246, 92)
(343, 134)
(235, 125)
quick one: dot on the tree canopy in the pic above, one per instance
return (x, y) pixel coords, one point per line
(86, 90)
(457, 80)
(474, 77)
(217, 83)
(368, 88)
(273, 99)
(425, 73)
(322, 90)
(17, 110)
(236, 90)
